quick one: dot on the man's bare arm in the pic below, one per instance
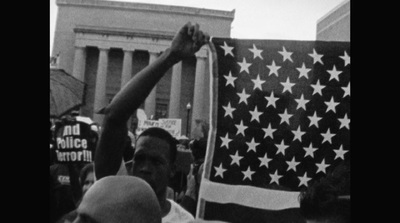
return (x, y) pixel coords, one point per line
(109, 150)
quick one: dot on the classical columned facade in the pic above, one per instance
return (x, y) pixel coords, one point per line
(119, 39)
(113, 39)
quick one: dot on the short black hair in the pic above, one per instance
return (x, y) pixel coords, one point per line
(164, 135)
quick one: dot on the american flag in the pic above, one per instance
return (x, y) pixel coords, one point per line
(280, 120)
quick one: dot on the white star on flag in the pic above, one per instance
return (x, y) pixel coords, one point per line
(228, 110)
(271, 100)
(328, 136)
(236, 158)
(225, 141)
(256, 52)
(252, 145)
(220, 171)
(264, 160)
(285, 117)
(281, 148)
(340, 152)
(322, 166)
(317, 57)
(230, 79)
(273, 69)
(309, 150)
(301, 103)
(244, 66)
(314, 119)
(344, 122)
(257, 82)
(241, 128)
(303, 71)
(286, 55)
(304, 180)
(346, 90)
(275, 177)
(297, 134)
(243, 96)
(255, 114)
(331, 105)
(346, 58)
(292, 164)
(317, 88)
(227, 49)
(248, 173)
(269, 131)
(287, 86)
(334, 73)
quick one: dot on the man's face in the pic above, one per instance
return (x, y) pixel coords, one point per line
(151, 162)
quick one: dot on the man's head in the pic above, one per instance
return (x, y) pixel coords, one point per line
(154, 158)
(119, 199)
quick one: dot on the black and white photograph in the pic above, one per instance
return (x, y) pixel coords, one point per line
(182, 111)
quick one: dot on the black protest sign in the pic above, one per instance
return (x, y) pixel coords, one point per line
(75, 142)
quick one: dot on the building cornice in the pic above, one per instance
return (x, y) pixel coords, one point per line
(124, 32)
(201, 12)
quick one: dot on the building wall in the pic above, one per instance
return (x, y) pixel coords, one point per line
(140, 28)
(335, 25)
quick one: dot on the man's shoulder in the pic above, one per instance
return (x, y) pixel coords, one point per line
(177, 214)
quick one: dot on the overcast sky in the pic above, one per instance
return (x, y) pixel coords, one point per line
(254, 19)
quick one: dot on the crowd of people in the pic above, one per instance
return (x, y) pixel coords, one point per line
(126, 184)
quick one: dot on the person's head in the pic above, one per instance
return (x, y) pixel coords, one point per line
(154, 158)
(86, 177)
(328, 200)
(198, 148)
(119, 199)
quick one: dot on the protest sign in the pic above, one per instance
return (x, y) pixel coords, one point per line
(173, 126)
(75, 142)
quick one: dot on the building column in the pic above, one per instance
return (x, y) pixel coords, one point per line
(126, 67)
(100, 99)
(199, 87)
(127, 74)
(79, 63)
(175, 94)
(150, 103)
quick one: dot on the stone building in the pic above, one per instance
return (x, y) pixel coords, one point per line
(335, 25)
(105, 43)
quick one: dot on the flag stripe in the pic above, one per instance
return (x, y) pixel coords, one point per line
(249, 196)
(238, 213)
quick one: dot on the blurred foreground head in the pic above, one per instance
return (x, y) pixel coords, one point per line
(119, 199)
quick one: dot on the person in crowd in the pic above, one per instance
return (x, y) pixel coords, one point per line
(61, 200)
(86, 177)
(328, 200)
(86, 180)
(155, 148)
(189, 200)
(65, 176)
(119, 199)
